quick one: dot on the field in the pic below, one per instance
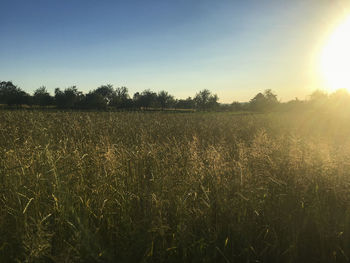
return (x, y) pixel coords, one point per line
(174, 187)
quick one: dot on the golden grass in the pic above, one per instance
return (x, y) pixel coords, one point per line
(165, 187)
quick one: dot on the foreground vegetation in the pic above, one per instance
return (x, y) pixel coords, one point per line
(165, 187)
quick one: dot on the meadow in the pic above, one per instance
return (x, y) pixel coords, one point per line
(174, 187)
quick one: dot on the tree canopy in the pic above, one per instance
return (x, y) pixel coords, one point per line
(264, 101)
(107, 97)
(205, 100)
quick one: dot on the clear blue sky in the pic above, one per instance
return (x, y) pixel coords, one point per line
(233, 48)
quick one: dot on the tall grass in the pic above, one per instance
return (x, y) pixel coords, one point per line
(162, 187)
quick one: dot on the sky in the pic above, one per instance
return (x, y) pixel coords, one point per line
(233, 48)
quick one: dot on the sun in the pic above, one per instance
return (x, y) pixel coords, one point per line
(335, 58)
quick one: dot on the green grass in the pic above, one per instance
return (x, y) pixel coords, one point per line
(165, 187)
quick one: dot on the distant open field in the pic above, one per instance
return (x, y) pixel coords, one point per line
(174, 187)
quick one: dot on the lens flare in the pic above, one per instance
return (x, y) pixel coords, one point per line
(335, 58)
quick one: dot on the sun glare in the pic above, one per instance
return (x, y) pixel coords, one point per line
(335, 58)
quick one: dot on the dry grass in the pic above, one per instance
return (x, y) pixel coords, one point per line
(165, 187)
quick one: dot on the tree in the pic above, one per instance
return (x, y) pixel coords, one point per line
(42, 97)
(107, 92)
(185, 104)
(319, 100)
(165, 100)
(146, 99)
(99, 98)
(318, 96)
(12, 95)
(94, 100)
(340, 99)
(121, 98)
(236, 106)
(213, 102)
(264, 101)
(258, 103)
(7, 89)
(136, 99)
(270, 96)
(205, 100)
(69, 98)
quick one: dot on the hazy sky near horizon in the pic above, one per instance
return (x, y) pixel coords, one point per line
(233, 48)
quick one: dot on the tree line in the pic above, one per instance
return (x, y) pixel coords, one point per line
(107, 97)
(104, 97)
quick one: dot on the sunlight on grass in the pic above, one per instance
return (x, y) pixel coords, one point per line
(140, 187)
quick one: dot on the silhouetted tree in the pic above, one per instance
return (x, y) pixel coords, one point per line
(107, 92)
(12, 95)
(264, 101)
(136, 99)
(293, 105)
(6, 90)
(69, 98)
(270, 96)
(236, 106)
(94, 100)
(337, 102)
(340, 99)
(100, 98)
(205, 100)
(185, 104)
(165, 100)
(318, 95)
(42, 97)
(258, 102)
(121, 98)
(146, 99)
